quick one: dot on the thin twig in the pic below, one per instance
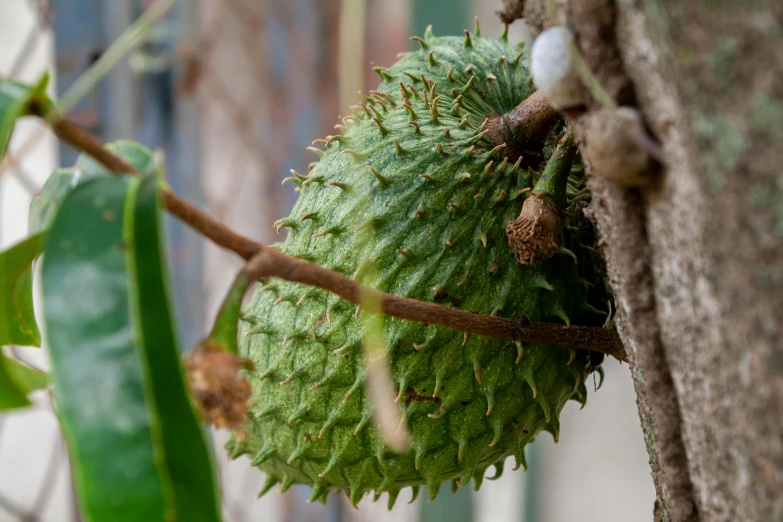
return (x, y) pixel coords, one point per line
(131, 38)
(24, 179)
(23, 58)
(272, 263)
(44, 495)
(215, 231)
(7, 506)
(276, 264)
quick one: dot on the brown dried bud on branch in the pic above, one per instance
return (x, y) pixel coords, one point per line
(512, 10)
(533, 235)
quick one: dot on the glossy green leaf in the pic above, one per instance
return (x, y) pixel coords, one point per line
(188, 458)
(17, 317)
(11, 394)
(44, 206)
(16, 381)
(28, 379)
(136, 447)
(137, 155)
(16, 100)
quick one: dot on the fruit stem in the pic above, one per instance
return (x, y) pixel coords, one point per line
(226, 328)
(552, 184)
(214, 368)
(533, 235)
(524, 128)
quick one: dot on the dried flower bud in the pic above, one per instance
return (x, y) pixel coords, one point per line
(614, 146)
(533, 235)
(553, 69)
(221, 393)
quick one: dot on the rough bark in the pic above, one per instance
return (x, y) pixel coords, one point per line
(696, 259)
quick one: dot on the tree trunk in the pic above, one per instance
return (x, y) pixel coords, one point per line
(696, 258)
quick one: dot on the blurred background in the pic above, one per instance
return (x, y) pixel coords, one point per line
(231, 92)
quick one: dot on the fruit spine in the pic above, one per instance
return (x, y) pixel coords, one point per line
(413, 199)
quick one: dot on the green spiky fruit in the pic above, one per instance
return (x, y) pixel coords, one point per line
(413, 199)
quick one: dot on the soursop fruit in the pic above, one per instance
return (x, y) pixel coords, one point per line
(413, 199)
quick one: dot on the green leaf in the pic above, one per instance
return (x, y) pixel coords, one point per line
(16, 100)
(17, 318)
(16, 381)
(44, 206)
(11, 395)
(137, 155)
(26, 378)
(137, 450)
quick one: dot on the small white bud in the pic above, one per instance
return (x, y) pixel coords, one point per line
(614, 145)
(553, 69)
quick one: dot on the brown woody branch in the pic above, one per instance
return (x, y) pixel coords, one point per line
(271, 263)
(207, 226)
